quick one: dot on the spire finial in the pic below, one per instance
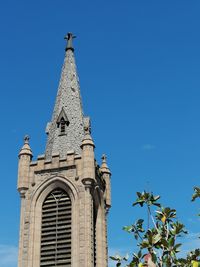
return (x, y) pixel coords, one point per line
(104, 158)
(69, 37)
(26, 150)
(26, 139)
(104, 166)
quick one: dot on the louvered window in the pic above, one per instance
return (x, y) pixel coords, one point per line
(56, 230)
(62, 125)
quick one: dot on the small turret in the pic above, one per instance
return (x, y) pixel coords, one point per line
(106, 176)
(25, 157)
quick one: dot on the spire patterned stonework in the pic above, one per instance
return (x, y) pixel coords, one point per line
(66, 129)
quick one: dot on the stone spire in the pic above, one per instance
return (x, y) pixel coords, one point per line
(66, 129)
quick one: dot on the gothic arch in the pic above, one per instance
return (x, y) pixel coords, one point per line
(40, 194)
(45, 187)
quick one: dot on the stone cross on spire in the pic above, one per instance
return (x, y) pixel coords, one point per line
(69, 37)
(66, 129)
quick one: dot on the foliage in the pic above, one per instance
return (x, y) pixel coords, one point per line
(158, 244)
(196, 194)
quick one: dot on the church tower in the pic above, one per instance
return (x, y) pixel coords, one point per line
(65, 194)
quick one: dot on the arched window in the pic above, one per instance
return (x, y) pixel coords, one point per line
(56, 230)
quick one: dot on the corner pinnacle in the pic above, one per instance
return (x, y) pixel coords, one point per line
(69, 37)
(26, 139)
(26, 150)
(104, 158)
(104, 166)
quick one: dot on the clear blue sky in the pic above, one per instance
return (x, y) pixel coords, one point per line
(139, 69)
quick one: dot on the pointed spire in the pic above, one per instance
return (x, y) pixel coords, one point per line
(66, 130)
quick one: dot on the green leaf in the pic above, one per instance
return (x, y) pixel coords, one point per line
(196, 193)
(115, 258)
(128, 228)
(156, 238)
